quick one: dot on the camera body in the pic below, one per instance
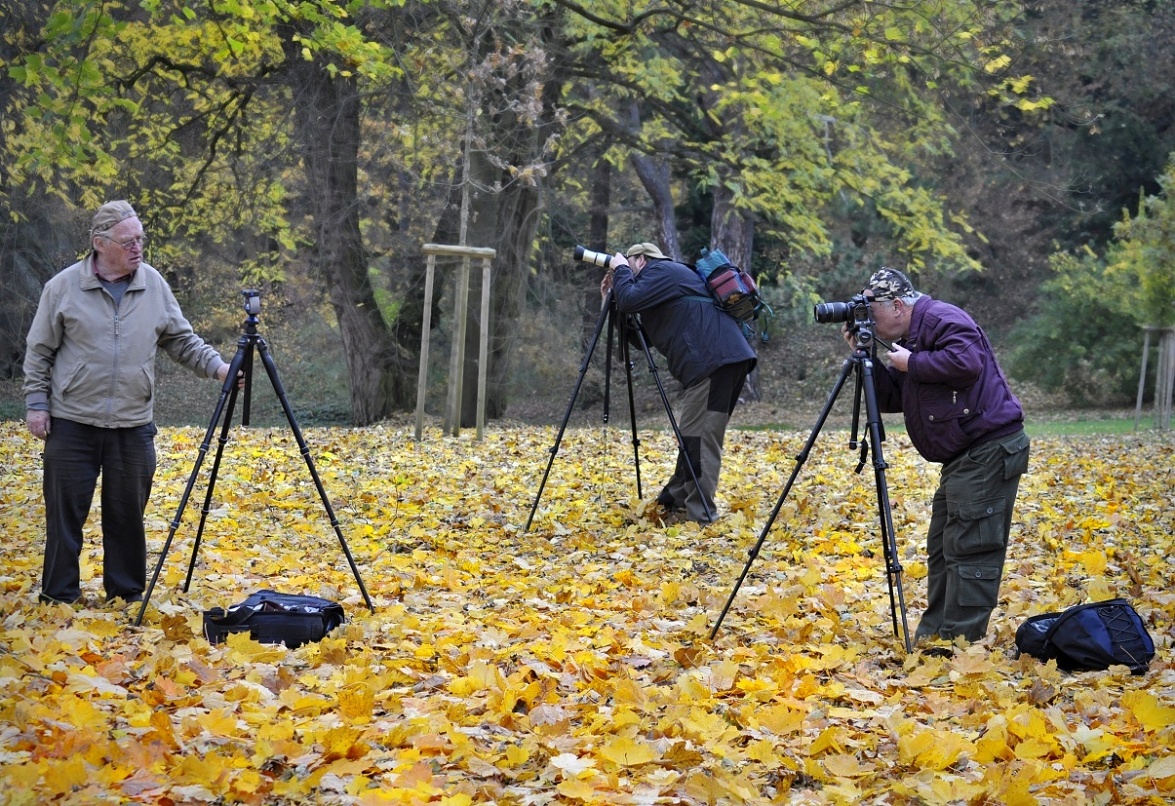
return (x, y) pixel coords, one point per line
(855, 313)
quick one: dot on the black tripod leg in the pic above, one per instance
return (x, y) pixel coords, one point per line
(271, 370)
(608, 368)
(226, 392)
(605, 316)
(801, 457)
(626, 356)
(672, 420)
(855, 441)
(220, 443)
(893, 565)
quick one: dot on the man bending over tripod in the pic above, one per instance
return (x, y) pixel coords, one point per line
(959, 411)
(707, 354)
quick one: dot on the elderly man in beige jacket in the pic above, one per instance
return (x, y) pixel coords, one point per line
(89, 384)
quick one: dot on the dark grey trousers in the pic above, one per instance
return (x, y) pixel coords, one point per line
(75, 455)
(704, 410)
(970, 523)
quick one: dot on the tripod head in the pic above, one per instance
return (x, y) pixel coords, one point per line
(864, 339)
(252, 306)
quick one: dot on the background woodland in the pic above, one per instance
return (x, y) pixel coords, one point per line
(1006, 154)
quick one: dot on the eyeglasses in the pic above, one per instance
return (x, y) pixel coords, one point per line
(138, 240)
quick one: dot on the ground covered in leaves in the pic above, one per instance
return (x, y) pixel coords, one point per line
(572, 662)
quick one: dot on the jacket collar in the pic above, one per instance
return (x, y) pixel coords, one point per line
(917, 314)
(90, 280)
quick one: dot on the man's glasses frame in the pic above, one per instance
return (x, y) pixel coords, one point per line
(138, 240)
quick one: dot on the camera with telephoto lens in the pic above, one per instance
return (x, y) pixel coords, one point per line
(588, 256)
(856, 313)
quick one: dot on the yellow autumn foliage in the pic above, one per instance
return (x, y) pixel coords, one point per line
(572, 663)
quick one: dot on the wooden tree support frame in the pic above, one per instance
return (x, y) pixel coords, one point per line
(460, 318)
(1164, 376)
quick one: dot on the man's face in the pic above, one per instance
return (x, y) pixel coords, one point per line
(121, 246)
(637, 262)
(891, 317)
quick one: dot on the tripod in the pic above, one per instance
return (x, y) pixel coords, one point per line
(243, 361)
(859, 364)
(623, 324)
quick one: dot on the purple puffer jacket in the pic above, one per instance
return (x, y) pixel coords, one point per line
(953, 394)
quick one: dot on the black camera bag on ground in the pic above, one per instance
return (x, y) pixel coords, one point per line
(1089, 637)
(275, 618)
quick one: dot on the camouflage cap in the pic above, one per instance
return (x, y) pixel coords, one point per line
(110, 214)
(646, 248)
(889, 283)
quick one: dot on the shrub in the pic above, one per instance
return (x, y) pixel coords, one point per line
(1083, 341)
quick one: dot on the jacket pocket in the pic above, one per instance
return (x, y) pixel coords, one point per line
(946, 417)
(981, 526)
(144, 386)
(979, 585)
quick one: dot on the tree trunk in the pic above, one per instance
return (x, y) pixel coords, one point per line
(733, 232)
(601, 200)
(328, 123)
(654, 175)
(506, 221)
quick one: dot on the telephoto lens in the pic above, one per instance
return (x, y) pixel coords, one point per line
(588, 256)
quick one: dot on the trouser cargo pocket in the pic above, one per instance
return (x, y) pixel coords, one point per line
(981, 527)
(1015, 456)
(978, 585)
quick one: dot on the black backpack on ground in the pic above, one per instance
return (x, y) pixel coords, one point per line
(275, 618)
(1088, 637)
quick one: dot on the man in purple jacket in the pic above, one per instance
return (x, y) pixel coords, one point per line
(959, 411)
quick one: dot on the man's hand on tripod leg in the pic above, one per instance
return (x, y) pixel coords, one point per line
(222, 373)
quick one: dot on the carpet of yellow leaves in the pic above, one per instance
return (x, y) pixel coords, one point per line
(571, 663)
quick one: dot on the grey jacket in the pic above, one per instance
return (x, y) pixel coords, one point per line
(94, 363)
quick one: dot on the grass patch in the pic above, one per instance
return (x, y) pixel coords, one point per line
(1090, 426)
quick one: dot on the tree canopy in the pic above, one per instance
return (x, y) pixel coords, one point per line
(322, 143)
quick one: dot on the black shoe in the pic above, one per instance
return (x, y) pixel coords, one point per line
(126, 598)
(669, 502)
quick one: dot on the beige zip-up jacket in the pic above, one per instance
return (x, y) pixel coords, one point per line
(93, 363)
